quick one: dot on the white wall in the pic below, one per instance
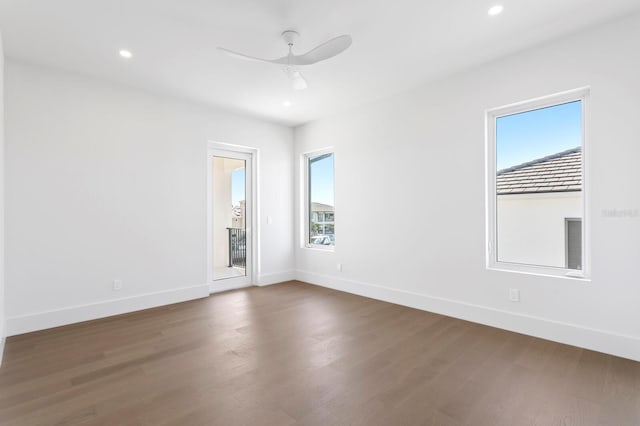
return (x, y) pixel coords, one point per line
(531, 227)
(106, 182)
(2, 298)
(422, 152)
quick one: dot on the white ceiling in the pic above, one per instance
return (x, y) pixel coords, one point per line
(396, 44)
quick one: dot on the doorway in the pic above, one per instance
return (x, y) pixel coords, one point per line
(230, 217)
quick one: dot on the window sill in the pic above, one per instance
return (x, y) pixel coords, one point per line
(329, 249)
(540, 271)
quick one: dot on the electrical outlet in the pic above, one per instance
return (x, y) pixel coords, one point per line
(514, 295)
(269, 220)
(117, 285)
(339, 267)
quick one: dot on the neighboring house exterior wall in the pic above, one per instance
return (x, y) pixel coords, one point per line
(531, 227)
(237, 219)
(322, 216)
(535, 199)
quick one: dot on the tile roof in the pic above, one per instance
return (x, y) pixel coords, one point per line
(561, 172)
(319, 207)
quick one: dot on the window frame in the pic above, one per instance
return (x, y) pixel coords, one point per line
(306, 189)
(491, 116)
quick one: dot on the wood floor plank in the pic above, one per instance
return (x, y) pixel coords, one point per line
(297, 354)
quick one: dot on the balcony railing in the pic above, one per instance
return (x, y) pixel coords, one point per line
(237, 247)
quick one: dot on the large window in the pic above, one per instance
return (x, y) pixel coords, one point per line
(320, 226)
(536, 185)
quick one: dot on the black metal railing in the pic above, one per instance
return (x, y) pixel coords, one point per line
(237, 247)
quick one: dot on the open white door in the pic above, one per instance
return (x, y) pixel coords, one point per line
(230, 215)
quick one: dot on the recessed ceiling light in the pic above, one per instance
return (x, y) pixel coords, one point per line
(287, 104)
(126, 54)
(496, 10)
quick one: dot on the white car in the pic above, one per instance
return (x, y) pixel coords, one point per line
(321, 240)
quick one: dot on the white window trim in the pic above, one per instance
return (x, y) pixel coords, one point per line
(304, 158)
(491, 116)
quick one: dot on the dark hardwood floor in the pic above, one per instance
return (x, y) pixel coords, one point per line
(299, 354)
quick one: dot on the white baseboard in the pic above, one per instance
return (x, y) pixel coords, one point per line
(3, 338)
(262, 281)
(598, 340)
(275, 278)
(91, 311)
(220, 286)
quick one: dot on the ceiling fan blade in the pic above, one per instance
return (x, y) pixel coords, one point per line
(246, 57)
(324, 51)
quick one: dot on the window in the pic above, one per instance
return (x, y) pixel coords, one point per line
(320, 200)
(536, 185)
(573, 243)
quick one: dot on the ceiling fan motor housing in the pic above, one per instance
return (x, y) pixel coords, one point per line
(290, 37)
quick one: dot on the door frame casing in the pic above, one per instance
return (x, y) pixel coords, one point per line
(220, 149)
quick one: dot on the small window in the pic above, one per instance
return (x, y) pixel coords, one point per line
(536, 185)
(320, 231)
(573, 244)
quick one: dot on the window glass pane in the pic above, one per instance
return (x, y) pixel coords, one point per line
(539, 185)
(574, 243)
(321, 184)
(228, 193)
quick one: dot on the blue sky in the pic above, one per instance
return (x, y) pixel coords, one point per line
(322, 181)
(534, 134)
(237, 186)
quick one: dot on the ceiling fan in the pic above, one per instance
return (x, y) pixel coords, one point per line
(291, 62)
